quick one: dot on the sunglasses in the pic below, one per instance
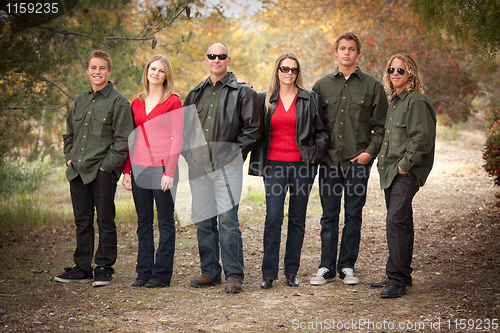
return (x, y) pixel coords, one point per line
(286, 69)
(401, 71)
(212, 56)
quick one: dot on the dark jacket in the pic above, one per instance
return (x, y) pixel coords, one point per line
(239, 124)
(312, 135)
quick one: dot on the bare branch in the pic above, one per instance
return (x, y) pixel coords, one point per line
(62, 90)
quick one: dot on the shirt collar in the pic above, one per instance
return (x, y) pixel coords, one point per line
(104, 91)
(224, 80)
(358, 72)
(402, 95)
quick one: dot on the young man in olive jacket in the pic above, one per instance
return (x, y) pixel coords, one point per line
(229, 118)
(96, 146)
(404, 163)
(354, 105)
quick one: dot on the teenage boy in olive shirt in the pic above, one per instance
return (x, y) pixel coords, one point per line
(404, 163)
(95, 146)
(354, 106)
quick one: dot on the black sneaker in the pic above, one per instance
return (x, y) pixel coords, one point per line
(102, 276)
(73, 274)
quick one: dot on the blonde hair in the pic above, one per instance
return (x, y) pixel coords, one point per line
(414, 81)
(274, 82)
(168, 84)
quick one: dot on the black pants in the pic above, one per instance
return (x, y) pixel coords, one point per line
(100, 193)
(399, 227)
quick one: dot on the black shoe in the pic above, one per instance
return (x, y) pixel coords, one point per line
(139, 283)
(383, 283)
(393, 290)
(266, 284)
(102, 276)
(155, 284)
(379, 284)
(73, 274)
(291, 281)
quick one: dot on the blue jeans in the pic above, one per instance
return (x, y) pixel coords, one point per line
(215, 199)
(282, 177)
(100, 193)
(399, 227)
(147, 268)
(333, 183)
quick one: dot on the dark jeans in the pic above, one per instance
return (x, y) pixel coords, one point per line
(218, 199)
(147, 268)
(282, 177)
(399, 227)
(352, 183)
(100, 193)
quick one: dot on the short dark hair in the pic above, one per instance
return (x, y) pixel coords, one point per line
(348, 36)
(102, 55)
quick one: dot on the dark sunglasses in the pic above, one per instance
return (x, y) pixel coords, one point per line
(212, 56)
(286, 69)
(401, 71)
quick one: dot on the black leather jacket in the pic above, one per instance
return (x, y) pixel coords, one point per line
(239, 123)
(312, 135)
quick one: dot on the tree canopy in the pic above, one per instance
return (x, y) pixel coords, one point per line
(475, 23)
(44, 59)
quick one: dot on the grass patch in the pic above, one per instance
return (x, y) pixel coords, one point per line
(34, 196)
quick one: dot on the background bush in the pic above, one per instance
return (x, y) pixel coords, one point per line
(491, 151)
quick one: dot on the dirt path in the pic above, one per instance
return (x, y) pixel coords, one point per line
(456, 262)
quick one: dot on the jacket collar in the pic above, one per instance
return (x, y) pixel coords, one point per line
(300, 94)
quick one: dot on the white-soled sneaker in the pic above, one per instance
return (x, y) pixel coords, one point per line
(348, 276)
(323, 276)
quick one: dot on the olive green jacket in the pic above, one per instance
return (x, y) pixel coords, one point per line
(355, 111)
(97, 130)
(409, 140)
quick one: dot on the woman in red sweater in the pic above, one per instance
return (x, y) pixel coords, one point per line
(293, 142)
(151, 170)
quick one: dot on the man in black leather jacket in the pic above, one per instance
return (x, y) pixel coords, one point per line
(228, 115)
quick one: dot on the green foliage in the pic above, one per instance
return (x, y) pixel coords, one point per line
(26, 203)
(491, 151)
(475, 23)
(22, 177)
(43, 67)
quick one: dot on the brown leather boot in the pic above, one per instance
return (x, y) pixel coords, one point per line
(233, 287)
(204, 281)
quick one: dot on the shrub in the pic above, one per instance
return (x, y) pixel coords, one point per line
(491, 151)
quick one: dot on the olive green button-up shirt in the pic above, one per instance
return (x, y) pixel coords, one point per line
(354, 111)
(97, 130)
(208, 111)
(409, 141)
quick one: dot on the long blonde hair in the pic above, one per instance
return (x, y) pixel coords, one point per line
(168, 84)
(414, 81)
(274, 82)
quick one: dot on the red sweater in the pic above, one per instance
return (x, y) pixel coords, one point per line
(158, 135)
(283, 134)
